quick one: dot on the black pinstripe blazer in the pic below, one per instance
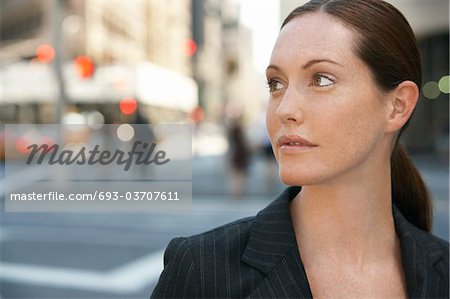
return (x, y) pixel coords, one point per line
(258, 257)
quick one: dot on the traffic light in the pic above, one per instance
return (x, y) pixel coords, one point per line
(85, 67)
(128, 105)
(191, 47)
(45, 53)
(197, 114)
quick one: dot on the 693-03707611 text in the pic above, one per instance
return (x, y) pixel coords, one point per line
(102, 195)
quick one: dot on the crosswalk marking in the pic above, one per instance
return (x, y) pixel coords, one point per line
(129, 278)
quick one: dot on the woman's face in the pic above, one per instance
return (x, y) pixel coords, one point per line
(326, 116)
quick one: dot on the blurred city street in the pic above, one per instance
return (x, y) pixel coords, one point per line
(116, 255)
(109, 255)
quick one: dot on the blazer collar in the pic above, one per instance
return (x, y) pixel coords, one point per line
(423, 258)
(272, 250)
(272, 243)
(272, 234)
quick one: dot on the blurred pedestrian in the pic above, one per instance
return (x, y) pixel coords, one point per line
(344, 79)
(270, 181)
(239, 157)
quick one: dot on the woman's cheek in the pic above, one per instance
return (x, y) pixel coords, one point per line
(272, 122)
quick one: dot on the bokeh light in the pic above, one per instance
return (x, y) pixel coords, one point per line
(125, 132)
(197, 115)
(95, 120)
(73, 122)
(72, 24)
(431, 90)
(22, 144)
(73, 118)
(191, 47)
(444, 84)
(85, 66)
(45, 53)
(128, 105)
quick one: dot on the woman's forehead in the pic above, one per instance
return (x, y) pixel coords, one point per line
(314, 34)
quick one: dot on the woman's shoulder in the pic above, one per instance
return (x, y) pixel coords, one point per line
(231, 232)
(272, 219)
(430, 243)
(214, 243)
(425, 259)
(427, 241)
(228, 261)
(439, 243)
(197, 261)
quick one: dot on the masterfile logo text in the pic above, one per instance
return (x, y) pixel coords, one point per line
(141, 153)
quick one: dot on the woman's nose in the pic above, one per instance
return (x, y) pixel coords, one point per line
(289, 110)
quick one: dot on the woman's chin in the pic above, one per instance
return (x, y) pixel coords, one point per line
(294, 179)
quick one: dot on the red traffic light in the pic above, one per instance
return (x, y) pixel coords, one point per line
(128, 105)
(197, 114)
(85, 67)
(191, 47)
(45, 53)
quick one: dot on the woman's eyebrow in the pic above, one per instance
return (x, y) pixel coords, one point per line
(308, 64)
(314, 61)
(272, 66)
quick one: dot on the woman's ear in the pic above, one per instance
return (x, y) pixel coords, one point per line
(402, 101)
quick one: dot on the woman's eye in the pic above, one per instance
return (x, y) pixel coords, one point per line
(321, 80)
(274, 85)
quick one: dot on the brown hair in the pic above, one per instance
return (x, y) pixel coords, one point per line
(388, 46)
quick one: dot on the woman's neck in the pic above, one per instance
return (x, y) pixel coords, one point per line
(348, 223)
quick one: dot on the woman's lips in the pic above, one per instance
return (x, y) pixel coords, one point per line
(294, 144)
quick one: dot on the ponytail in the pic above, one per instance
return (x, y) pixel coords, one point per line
(409, 192)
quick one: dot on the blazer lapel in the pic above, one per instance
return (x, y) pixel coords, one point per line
(272, 249)
(423, 260)
(286, 280)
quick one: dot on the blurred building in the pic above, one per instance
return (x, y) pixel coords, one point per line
(107, 31)
(23, 26)
(223, 65)
(199, 40)
(125, 34)
(429, 132)
(208, 60)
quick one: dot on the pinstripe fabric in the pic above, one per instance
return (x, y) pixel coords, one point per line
(425, 260)
(257, 257)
